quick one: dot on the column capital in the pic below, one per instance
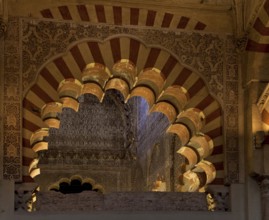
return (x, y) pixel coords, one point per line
(265, 187)
(263, 181)
(260, 179)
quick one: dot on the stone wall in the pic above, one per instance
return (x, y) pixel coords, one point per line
(177, 205)
(131, 202)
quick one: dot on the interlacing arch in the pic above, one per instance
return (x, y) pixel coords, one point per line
(186, 124)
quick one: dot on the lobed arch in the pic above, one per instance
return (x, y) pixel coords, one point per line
(96, 81)
(189, 121)
(175, 77)
(85, 183)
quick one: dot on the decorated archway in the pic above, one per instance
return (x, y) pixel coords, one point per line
(195, 117)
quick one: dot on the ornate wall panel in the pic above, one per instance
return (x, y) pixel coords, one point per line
(213, 56)
(231, 92)
(12, 158)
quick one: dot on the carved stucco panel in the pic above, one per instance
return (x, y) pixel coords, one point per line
(12, 158)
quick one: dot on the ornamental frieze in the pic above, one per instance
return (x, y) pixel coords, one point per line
(87, 157)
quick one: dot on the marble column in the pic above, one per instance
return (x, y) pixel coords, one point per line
(265, 198)
(261, 170)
